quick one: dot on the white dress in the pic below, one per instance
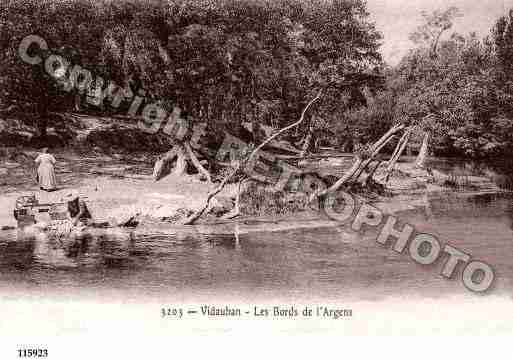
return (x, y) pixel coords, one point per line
(46, 172)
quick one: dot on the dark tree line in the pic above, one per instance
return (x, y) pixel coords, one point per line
(231, 62)
(457, 88)
(224, 62)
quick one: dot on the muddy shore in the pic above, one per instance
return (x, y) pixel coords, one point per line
(119, 187)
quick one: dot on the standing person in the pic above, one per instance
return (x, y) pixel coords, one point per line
(46, 171)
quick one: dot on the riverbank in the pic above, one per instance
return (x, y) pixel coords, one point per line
(116, 187)
(411, 188)
(119, 189)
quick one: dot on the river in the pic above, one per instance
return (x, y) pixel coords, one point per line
(307, 264)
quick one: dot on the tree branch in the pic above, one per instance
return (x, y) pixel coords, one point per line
(194, 217)
(295, 124)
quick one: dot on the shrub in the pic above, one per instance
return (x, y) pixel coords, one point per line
(257, 199)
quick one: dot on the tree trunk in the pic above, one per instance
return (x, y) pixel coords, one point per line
(306, 143)
(295, 124)
(421, 158)
(401, 145)
(382, 143)
(386, 137)
(181, 161)
(196, 163)
(343, 180)
(360, 165)
(371, 173)
(163, 164)
(183, 153)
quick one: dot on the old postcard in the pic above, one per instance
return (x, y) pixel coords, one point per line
(175, 169)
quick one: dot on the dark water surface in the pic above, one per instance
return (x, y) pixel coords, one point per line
(308, 264)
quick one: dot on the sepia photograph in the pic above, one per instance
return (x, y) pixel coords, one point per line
(253, 168)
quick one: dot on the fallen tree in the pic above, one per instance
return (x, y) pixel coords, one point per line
(422, 156)
(243, 162)
(401, 146)
(363, 159)
(403, 142)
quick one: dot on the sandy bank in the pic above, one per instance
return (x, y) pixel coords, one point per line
(117, 200)
(118, 189)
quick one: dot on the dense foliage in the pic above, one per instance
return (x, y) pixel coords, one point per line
(225, 62)
(458, 88)
(260, 61)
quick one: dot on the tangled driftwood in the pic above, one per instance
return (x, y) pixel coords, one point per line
(243, 163)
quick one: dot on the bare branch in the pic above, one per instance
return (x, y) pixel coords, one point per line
(194, 217)
(295, 124)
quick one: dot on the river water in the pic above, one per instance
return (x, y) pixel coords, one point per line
(305, 263)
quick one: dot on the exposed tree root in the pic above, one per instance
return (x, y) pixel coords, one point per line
(181, 153)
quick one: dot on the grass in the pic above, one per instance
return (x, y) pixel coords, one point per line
(259, 200)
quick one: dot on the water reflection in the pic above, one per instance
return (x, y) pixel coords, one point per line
(499, 171)
(86, 250)
(16, 254)
(469, 206)
(50, 261)
(321, 262)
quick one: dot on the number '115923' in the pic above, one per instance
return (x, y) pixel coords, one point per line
(32, 353)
